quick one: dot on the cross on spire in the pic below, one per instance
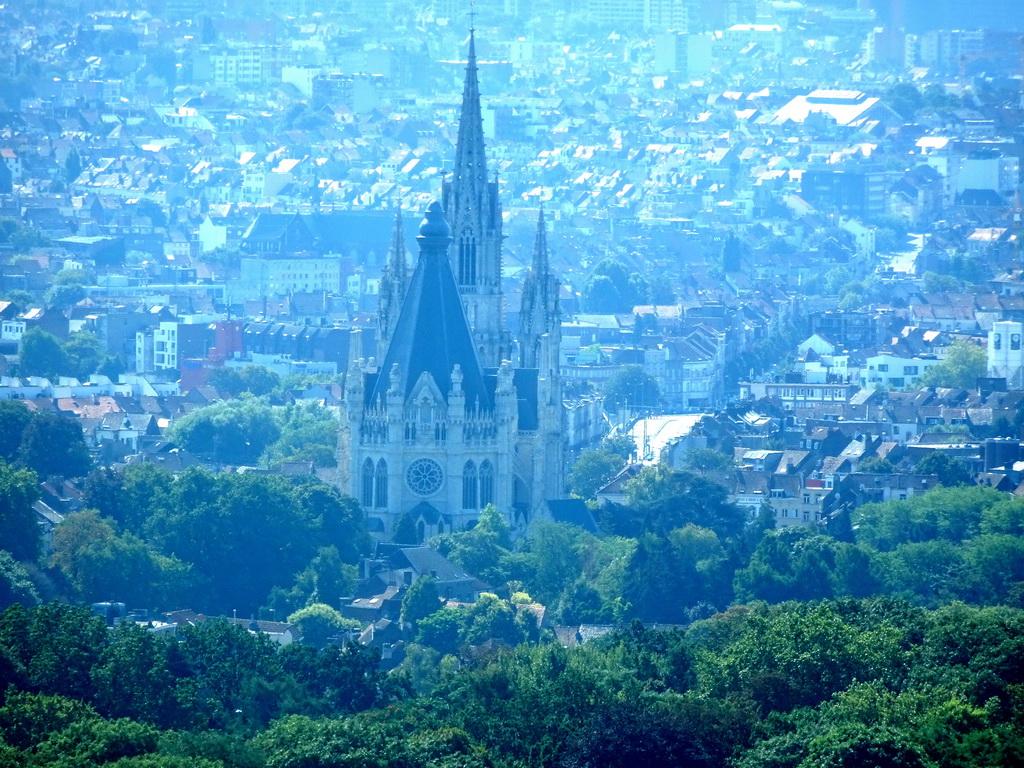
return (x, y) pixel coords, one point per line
(472, 17)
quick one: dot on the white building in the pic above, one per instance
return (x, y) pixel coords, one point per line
(891, 371)
(1005, 356)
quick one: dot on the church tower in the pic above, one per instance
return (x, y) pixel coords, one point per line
(473, 210)
(540, 336)
(393, 284)
(431, 433)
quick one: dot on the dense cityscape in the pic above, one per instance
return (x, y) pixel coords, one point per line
(511, 383)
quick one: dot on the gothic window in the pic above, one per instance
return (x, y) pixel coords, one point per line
(366, 496)
(421, 531)
(469, 486)
(467, 260)
(425, 411)
(486, 483)
(381, 485)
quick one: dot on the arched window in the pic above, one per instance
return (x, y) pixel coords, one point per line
(469, 486)
(380, 492)
(421, 531)
(467, 260)
(486, 483)
(366, 496)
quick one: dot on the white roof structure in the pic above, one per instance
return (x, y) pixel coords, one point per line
(845, 107)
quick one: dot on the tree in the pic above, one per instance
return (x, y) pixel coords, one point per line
(41, 354)
(905, 99)
(6, 180)
(102, 564)
(14, 418)
(19, 531)
(132, 678)
(491, 618)
(28, 719)
(98, 741)
(876, 465)
(664, 499)
(592, 470)
(60, 296)
(600, 295)
(950, 470)
(308, 433)
(54, 445)
(233, 432)
(321, 624)
(15, 584)
(707, 460)
(481, 549)
(631, 388)
(441, 630)
(611, 289)
(84, 353)
(420, 600)
(961, 368)
(257, 380)
(72, 166)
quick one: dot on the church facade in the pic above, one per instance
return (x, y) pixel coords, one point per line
(453, 416)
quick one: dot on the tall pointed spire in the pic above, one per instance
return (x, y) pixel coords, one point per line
(470, 163)
(473, 209)
(393, 285)
(539, 315)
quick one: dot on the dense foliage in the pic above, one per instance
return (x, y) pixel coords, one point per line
(893, 641)
(832, 683)
(214, 542)
(252, 432)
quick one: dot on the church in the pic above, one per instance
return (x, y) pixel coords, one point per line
(453, 416)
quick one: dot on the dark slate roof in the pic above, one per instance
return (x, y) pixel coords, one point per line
(427, 511)
(574, 512)
(342, 231)
(426, 561)
(432, 334)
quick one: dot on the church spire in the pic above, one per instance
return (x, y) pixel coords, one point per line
(393, 285)
(473, 209)
(470, 163)
(540, 315)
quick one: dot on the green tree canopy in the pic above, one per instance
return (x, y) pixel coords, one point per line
(41, 354)
(15, 583)
(420, 600)
(592, 470)
(950, 470)
(320, 624)
(14, 418)
(631, 388)
(54, 445)
(961, 368)
(233, 432)
(19, 531)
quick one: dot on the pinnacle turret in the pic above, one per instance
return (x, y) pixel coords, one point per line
(539, 315)
(393, 285)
